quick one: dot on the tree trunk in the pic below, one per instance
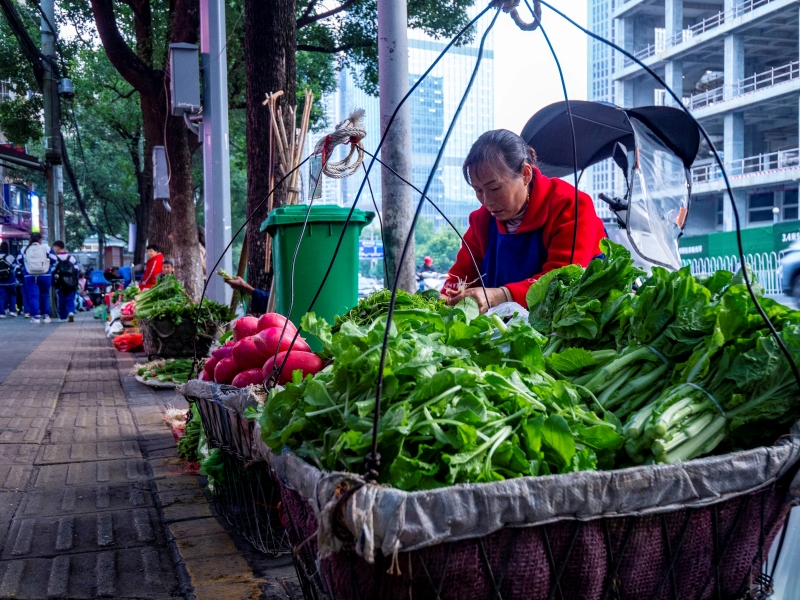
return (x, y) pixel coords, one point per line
(183, 223)
(269, 46)
(160, 220)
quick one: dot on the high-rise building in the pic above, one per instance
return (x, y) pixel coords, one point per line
(433, 105)
(734, 64)
(602, 177)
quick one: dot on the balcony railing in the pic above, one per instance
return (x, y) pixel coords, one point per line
(706, 98)
(645, 52)
(706, 24)
(751, 165)
(766, 79)
(759, 81)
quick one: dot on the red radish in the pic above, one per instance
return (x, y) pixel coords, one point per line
(225, 352)
(209, 366)
(267, 342)
(226, 370)
(249, 377)
(308, 362)
(204, 376)
(246, 354)
(268, 320)
(244, 327)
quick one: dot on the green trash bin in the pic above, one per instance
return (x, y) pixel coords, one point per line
(324, 227)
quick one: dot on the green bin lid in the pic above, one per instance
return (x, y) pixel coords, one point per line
(324, 213)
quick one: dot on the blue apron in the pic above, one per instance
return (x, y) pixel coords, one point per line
(510, 258)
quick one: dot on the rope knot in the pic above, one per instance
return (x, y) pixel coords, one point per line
(350, 131)
(511, 6)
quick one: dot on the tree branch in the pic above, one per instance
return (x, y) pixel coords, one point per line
(310, 48)
(309, 8)
(144, 79)
(120, 95)
(308, 19)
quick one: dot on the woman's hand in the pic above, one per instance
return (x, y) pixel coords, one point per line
(240, 284)
(496, 296)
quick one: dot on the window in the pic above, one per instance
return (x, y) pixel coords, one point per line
(720, 212)
(759, 207)
(790, 205)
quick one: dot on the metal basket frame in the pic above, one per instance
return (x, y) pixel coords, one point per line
(248, 497)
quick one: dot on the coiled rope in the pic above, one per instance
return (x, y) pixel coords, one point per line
(350, 131)
(510, 7)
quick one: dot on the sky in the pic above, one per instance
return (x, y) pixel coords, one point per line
(525, 74)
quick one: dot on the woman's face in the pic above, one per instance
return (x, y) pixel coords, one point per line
(502, 193)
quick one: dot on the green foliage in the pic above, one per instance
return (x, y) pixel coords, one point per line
(356, 31)
(442, 246)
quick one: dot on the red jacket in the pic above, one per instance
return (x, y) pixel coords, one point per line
(551, 207)
(152, 270)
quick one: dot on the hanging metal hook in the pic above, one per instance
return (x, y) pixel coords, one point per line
(510, 7)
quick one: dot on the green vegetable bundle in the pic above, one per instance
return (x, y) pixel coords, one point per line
(175, 370)
(168, 300)
(466, 398)
(188, 444)
(376, 304)
(129, 293)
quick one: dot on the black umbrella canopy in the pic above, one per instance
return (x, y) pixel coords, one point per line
(598, 126)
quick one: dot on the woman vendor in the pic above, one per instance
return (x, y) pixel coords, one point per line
(524, 227)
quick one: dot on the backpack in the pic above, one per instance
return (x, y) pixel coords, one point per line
(36, 260)
(5, 269)
(65, 276)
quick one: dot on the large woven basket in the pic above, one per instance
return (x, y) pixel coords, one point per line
(709, 552)
(166, 339)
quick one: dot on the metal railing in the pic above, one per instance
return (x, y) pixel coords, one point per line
(706, 98)
(757, 81)
(751, 165)
(706, 24)
(715, 21)
(765, 266)
(766, 79)
(642, 54)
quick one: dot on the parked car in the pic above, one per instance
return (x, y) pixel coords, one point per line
(790, 266)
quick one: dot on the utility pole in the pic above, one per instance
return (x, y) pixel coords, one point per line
(216, 153)
(52, 122)
(398, 202)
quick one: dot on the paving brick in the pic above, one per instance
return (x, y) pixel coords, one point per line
(93, 434)
(144, 573)
(62, 453)
(37, 537)
(9, 503)
(90, 473)
(184, 504)
(167, 467)
(228, 591)
(90, 417)
(19, 454)
(232, 568)
(74, 500)
(14, 477)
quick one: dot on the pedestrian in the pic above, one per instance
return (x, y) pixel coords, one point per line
(23, 291)
(152, 269)
(258, 298)
(167, 268)
(37, 264)
(8, 283)
(65, 280)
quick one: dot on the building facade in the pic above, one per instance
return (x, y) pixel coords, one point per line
(433, 105)
(602, 177)
(734, 64)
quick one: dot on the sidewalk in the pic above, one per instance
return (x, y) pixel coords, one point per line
(93, 500)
